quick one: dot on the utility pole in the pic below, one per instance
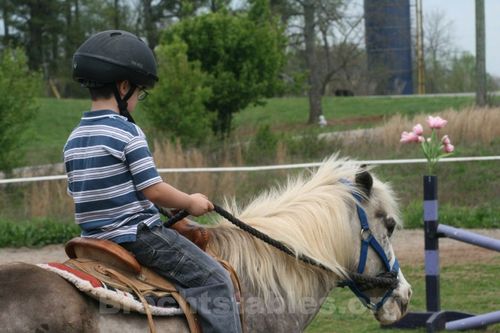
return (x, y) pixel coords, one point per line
(480, 55)
(420, 49)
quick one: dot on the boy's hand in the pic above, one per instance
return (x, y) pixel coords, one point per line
(199, 204)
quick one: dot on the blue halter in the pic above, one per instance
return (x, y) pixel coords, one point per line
(367, 241)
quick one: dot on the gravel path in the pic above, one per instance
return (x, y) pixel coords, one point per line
(408, 245)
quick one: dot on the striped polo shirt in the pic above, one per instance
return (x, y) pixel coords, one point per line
(108, 163)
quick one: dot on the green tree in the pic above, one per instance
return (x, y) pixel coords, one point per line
(153, 15)
(176, 105)
(324, 43)
(37, 25)
(17, 105)
(242, 54)
(51, 30)
(461, 77)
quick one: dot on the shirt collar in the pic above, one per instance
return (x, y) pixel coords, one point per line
(101, 114)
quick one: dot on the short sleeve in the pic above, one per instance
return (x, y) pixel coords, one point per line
(140, 163)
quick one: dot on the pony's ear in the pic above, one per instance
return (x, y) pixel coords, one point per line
(364, 181)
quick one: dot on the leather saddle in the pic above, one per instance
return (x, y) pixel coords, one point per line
(112, 253)
(111, 263)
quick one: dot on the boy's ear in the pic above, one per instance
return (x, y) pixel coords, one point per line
(364, 181)
(123, 86)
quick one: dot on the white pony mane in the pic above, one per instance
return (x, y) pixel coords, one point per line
(311, 215)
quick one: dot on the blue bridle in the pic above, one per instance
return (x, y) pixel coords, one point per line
(367, 241)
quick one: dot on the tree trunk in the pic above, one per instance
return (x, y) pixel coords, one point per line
(480, 55)
(68, 45)
(35, 45)
(117, 14)
(149, 24)
(5, 17)
(314, 92)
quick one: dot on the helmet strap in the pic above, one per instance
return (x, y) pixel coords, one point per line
(122, 102)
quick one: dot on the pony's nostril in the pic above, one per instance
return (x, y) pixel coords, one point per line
(404, 307)
(410, 292)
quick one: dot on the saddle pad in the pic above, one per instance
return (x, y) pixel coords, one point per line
(106, 294)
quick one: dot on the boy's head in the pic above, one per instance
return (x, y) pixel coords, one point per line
(108, 59)
(103, 92)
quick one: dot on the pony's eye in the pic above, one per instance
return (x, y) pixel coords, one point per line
(390, 224)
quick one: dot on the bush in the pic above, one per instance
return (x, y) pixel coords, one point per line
(36, 233)
(242, 56)
(176, 106)
(18, 88)
(262, 148)
(310, 146)
(456, 216)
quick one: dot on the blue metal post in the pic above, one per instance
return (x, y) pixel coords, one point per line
(435, 319)
(431, 243)
(469, 237)
(482, 320)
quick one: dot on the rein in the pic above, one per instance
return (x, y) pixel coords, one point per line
(386, 280)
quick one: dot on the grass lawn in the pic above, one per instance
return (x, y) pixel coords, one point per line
(56, 118)
(361, 111)
(54, 122)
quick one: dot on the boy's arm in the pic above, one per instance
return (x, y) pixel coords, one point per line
(165, 195)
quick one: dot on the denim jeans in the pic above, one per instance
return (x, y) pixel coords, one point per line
(201, 280)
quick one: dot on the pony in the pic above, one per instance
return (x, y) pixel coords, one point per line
(315, 214)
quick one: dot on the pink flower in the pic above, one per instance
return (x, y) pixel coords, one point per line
(407, 137)
(446, 140)
(436, 122)
(418, 129)
(449, 148)
(433, 148)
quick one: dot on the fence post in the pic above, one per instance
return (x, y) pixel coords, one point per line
(433, 319)
(431, 243)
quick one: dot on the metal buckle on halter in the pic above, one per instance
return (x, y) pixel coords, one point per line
(366, 234)
(371, 306)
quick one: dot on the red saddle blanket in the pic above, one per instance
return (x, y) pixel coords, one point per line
(124, 300)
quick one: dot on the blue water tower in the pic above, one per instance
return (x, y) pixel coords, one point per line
(388, 45)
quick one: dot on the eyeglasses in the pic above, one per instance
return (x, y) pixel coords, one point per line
(143, 93)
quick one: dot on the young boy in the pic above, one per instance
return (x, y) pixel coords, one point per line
(114, 182)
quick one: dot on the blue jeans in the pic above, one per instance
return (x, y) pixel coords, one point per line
(201, 280)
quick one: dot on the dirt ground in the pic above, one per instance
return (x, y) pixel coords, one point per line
(408, 245)
(409, 248)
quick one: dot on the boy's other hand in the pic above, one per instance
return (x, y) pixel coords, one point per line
(199, 204)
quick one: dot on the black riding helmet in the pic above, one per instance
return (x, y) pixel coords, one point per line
(111, 56)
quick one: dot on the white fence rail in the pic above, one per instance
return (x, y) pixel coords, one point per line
(266, 167)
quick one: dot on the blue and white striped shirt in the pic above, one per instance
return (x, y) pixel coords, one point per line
(108, 163)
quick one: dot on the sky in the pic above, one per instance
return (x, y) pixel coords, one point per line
(462, 15)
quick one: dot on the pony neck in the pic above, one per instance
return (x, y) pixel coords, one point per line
(276, 287)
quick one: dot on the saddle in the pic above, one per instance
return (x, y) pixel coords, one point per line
(114, 265)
